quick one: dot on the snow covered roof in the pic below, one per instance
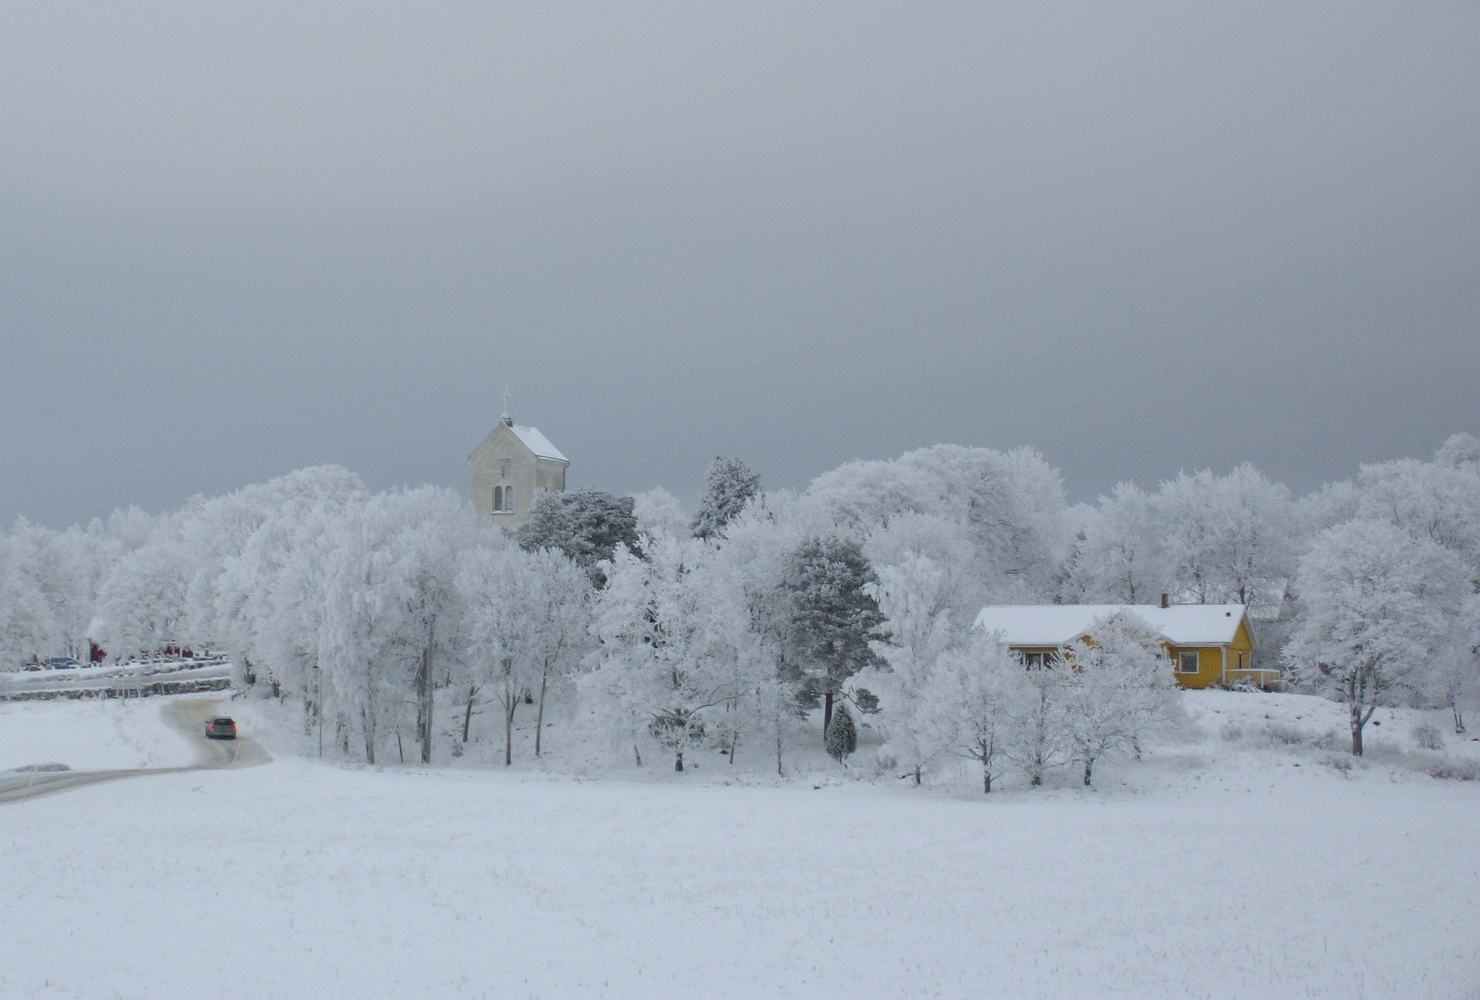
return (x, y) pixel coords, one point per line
(538, 443)
(1060, 624)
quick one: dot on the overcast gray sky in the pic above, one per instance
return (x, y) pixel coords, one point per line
(235, 241)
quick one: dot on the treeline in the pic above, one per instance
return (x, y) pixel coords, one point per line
(387, 616)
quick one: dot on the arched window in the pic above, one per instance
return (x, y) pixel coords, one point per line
(498, 499)
(508, 499)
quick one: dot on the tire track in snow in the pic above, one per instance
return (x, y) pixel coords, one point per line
(187, 716)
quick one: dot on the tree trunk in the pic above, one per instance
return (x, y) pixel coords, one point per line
(678, 761)
(917, 774)
(1089, 765)
(827, 705)
(421, 695)
(539, 718)
(779, 771)
(734, 742)
(1362, 685)
(986, 782)
(638, 754)
(400, 750)
(1459, 721)
(511, 702)
(426, 701)
(468, 715)
(369, 728)
(1359, 720)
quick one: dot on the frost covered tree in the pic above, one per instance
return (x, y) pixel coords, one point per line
(1037, 738)
(913, 602)
(966, 709)
(438, 526)
(1451, 677)
(661, 669)
(270, 597)
(561, 614)
(586, 525)
(141, 603)
(1113, 687)
(1122, 559)
(49, 583)
(387, 583)
(1378, 602)
(1228, 538)
(963, 587)
(1459, 451)
(526, 617)
(658, 512)
(728, 486)
(496, 587)
(235, 543)
(28, 628)
(1020, 521)
(1009, 506)
(1432, 500)
(832, 618)
(750, 569)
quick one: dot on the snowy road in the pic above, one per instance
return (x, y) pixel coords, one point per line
(186, 715)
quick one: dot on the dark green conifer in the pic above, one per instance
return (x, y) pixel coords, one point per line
(842, 735)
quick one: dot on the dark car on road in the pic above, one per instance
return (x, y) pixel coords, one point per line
(221, 728)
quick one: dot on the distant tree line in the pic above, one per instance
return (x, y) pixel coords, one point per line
(765, 618)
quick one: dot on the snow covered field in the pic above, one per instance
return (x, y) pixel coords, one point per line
(89, 735)
(1215, 868)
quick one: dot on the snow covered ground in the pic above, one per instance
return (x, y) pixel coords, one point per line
(89, 735)
(1234, 861)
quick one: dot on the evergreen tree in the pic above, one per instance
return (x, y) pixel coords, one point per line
(587, 525)
(728, 486)
(842, 736)
(833, 617)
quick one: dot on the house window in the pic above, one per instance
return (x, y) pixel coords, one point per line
(1040, 661)
(1241, 661)
(498, 499)
(1188, 662)
(508, 499)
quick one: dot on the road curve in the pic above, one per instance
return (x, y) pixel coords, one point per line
(188, 717)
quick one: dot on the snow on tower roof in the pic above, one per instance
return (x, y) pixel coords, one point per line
(1060, 624)
(538, 443)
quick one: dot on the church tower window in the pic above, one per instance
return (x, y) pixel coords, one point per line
(511, 455)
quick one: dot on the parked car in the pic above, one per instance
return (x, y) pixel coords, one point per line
(221, 728)
(62, 663)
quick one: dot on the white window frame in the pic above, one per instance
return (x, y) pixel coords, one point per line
(1182, 656)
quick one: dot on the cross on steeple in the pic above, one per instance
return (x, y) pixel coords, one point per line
(506, 418)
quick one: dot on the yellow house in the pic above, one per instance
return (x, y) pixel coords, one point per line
(1205, 644)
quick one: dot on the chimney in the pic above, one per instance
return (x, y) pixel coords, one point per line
(1164, 600)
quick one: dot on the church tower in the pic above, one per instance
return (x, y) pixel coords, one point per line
(509, 466)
